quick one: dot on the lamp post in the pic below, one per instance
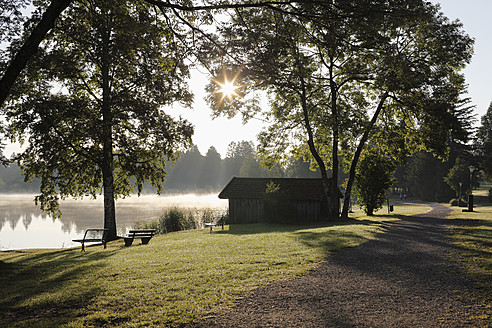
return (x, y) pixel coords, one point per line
(471, 178)
(459, 197)
(470, 196)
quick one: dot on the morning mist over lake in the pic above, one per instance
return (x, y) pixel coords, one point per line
(23, 225)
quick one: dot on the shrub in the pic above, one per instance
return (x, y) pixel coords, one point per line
(454, 202)
(375, 174)
(178, 219)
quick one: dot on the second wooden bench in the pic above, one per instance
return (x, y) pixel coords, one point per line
(144, 235)
(93, 235)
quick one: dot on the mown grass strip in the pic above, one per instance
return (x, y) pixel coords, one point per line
(179, 277)
(472, 236)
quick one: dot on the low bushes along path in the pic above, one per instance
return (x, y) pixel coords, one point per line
(407, 277)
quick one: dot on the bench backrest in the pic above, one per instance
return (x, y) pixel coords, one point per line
(139, 233)
(96, 233)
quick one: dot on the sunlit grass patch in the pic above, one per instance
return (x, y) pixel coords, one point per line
(178, 277)
(473, 239)
(400, 209)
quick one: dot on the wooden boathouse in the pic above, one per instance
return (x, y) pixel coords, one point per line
(295, 200)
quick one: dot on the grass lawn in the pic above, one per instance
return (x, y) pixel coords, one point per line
(176, 278)
(473, 239)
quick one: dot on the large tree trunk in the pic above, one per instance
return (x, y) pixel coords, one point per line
(358, 151)
(334, 150)
(327, 186)
(30, 46)
(108, 194)
(107, 141)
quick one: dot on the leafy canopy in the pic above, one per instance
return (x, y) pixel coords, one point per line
(107, 66)
(337, 72)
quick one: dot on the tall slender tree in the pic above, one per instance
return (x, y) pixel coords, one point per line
(484, 144)
(90, 104)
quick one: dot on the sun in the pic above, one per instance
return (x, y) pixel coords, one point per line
(228, 88)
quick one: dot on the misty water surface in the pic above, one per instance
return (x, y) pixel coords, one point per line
(23, 225)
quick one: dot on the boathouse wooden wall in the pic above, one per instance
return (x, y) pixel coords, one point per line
(302, 200)
(253, 211)
(245, 210)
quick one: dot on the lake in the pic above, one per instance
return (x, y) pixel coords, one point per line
(23, 225)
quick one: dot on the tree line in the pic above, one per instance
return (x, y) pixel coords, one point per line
(430, 178)
(193, 172)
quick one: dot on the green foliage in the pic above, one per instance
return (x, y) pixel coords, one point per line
(211, 170)
(116, 64)
(374, 175)
(423, 176)
(339, 74)
(173, 219)
(272, 188)
(278, 208)
(13, 180)
(458, 178)
(194, 172)
(179, 219)
(483, 144)
(298, 168)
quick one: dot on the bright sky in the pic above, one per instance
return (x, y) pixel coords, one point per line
(217, 132)
(475, 16)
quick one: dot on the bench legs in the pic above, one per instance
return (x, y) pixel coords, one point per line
(83, 246)
(129, 240)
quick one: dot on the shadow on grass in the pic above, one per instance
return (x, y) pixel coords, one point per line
(326, 236)
(258, 228)
(473, 239)
(30, 285)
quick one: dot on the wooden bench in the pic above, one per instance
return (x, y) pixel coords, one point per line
(144, 235)
(93, 235)
(216, 222)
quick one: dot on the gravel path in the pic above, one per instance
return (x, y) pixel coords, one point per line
(407, 277)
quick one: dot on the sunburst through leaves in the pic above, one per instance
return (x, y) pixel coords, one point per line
(228, 88)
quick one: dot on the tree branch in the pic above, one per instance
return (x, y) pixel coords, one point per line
(30, 46)
(269, 4)
(355, 160)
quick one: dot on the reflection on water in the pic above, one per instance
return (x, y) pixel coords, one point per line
(23, 225)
